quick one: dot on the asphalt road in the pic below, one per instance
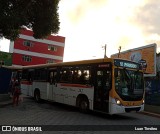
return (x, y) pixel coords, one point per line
(63, 119)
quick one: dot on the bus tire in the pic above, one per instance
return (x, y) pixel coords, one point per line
(84, 105)
(37, 96)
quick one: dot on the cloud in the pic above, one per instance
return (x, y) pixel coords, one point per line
(81, 8)
(93, 23)
(147, 17)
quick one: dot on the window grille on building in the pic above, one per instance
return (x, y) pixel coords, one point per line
(50, 61)
(27, 43)
(26, 58)
(52, 48)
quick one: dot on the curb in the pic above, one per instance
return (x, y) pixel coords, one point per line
(5, 103)
(4, 97)
(151, 114)
(8, 102)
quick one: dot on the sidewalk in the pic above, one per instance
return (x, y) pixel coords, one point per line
(5, 99)
(150, 114)
(5, 103)
(151, 110)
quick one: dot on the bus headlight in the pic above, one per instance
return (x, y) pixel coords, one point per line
(118, 102)
(143, 102)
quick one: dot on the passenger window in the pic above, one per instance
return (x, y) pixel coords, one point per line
(77, 75)
(85, 77)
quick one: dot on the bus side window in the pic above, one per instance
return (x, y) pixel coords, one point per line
(70, 76)
(75, 77)
(63, 76)
(108, 80)
(24, 75)
(85, 77)
(82, 77)
(30, 76)
(37, 75)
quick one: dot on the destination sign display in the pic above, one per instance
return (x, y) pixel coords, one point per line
(126, 64)
(104, 65)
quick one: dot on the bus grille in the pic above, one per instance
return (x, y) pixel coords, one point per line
(132, 109)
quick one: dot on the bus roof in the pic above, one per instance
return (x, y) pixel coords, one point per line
(82, 62)
(13, 68)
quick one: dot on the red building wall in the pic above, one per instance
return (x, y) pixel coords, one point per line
(38, 47)
(53, 38)
(17, 58)
(39, 51)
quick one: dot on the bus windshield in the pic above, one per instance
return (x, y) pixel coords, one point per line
(129, 84)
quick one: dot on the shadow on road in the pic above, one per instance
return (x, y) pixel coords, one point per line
(66, 108)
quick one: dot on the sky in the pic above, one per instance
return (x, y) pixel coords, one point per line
(89, 25)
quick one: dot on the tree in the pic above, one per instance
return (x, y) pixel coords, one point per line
(39, 15)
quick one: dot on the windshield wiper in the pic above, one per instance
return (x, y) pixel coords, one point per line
(131, 80)
(127, 74)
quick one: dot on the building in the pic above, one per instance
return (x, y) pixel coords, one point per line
(30, 51)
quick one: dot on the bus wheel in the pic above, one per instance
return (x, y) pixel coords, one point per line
(84, 105)
(37, 96)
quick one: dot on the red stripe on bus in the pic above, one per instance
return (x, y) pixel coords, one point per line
(26, 82)
(75, 85)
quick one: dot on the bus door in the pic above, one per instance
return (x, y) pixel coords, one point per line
(102, 82)
(27, 82)
(30, 82)
(52, 84)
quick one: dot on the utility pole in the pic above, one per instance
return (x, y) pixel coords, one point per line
(119, 51)
(105, 47)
